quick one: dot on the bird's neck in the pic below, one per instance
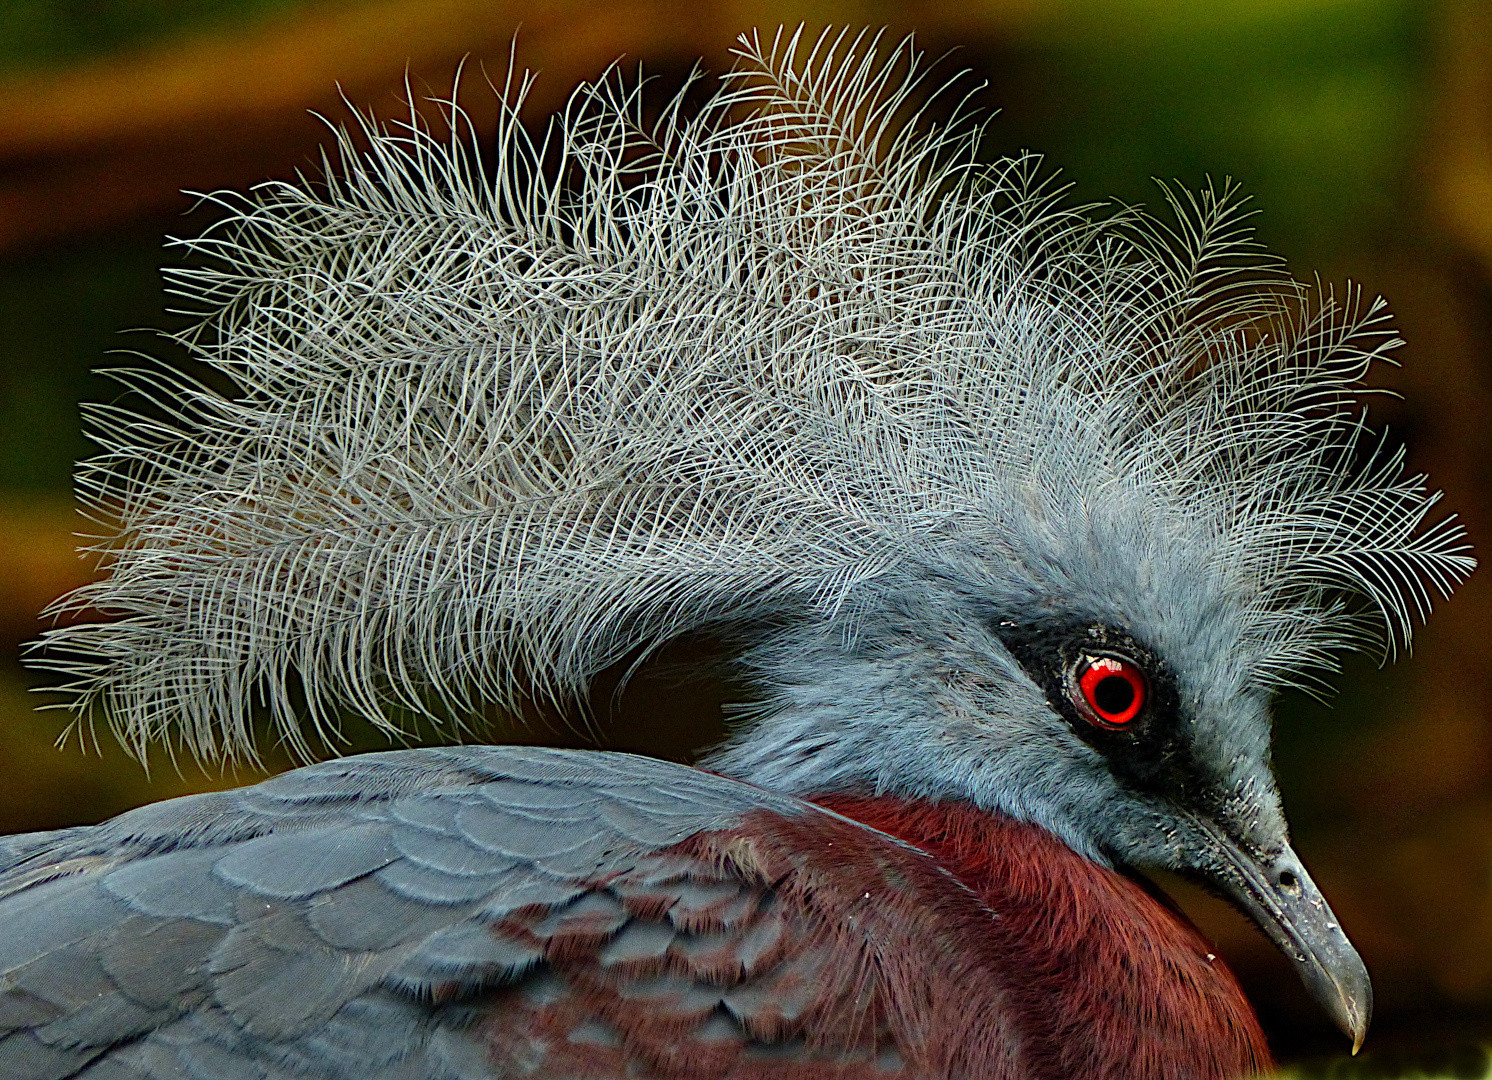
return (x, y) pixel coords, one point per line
(1089, 944)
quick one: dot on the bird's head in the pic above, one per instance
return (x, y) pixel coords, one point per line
(1094, 657)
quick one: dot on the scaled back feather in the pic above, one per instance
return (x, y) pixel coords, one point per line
(497, 428)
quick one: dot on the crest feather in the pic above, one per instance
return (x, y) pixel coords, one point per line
(496, 430)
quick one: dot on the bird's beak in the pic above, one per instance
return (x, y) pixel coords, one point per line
(1277, 893)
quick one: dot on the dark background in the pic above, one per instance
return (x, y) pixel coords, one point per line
(1362, 127)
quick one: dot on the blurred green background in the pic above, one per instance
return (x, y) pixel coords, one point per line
(1363, 129)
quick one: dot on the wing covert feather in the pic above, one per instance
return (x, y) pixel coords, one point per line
(447, 914)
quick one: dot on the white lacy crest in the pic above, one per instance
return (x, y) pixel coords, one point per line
(491, 436)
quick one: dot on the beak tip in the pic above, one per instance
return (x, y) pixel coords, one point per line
(1355, 1001)
(1359, 1033)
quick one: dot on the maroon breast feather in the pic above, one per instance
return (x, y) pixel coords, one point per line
(809, 948)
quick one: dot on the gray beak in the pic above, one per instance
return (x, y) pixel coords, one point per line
(1275, 891)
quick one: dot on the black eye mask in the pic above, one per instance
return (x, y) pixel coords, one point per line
(1092, 674)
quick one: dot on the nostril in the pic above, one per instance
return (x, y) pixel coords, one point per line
(1287, 881)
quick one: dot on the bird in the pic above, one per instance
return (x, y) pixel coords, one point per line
(1009, 516)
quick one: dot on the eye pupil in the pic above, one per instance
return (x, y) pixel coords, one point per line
(1113, 695)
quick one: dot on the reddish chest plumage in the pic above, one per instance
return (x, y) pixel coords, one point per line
(1103, 979)
(805, 948)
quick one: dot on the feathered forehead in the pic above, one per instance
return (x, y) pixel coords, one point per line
(498, 429)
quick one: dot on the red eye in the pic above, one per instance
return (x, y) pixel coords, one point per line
(1113, 689)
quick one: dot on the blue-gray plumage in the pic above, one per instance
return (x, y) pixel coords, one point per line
(314, 916)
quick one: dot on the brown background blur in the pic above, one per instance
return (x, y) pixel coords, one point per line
(1362, 127)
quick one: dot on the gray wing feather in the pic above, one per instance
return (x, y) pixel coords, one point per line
(295, 865)
(301, 928)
